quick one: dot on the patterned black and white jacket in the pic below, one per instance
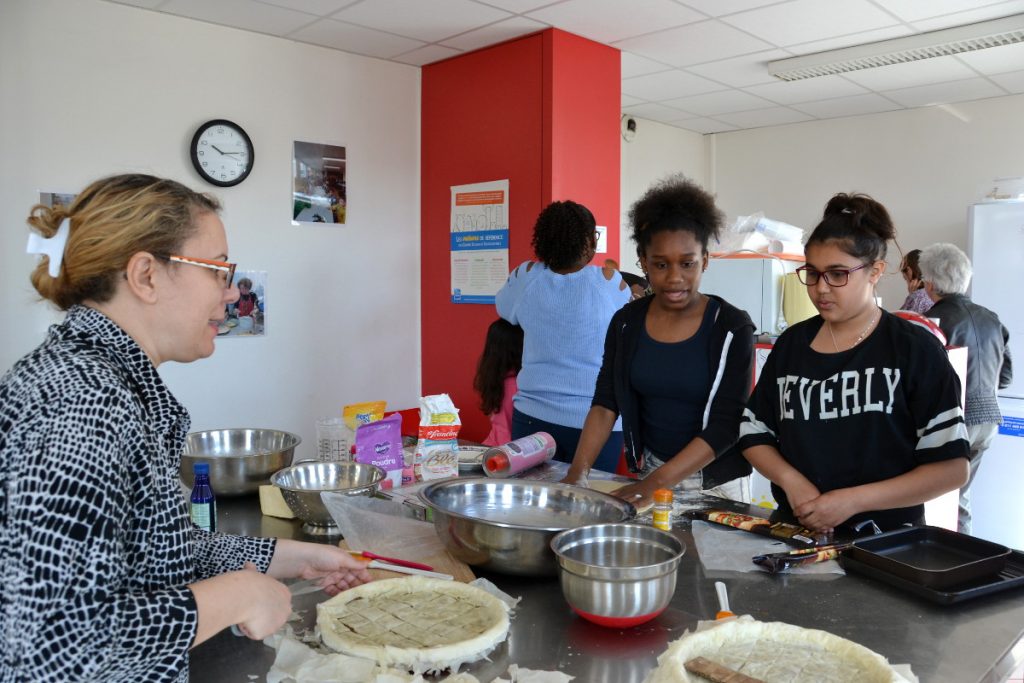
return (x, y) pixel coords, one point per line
(96, 546)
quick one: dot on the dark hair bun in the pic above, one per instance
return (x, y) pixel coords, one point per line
(861, 212)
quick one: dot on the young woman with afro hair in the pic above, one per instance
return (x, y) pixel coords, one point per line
(563, 305)
(677, 364)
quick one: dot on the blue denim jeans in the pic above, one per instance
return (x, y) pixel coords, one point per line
(566, 438)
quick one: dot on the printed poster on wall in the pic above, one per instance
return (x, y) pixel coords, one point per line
(479, 241)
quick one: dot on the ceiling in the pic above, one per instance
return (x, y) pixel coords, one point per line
(699, 65)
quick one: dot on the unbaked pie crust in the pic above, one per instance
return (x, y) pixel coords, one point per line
(774, 652)
(417, 623)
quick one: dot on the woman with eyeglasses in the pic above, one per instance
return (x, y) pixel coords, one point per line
(105, 576)
(563, 305)
(677, 364)
(917, 298)
(856, 415)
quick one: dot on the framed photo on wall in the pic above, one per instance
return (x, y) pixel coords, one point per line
(319, 193)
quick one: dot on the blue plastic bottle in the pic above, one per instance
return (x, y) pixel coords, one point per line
(203, 504)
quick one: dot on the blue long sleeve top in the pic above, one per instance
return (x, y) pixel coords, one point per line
(564, 320)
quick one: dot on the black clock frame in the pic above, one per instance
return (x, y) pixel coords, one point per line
(193, 152)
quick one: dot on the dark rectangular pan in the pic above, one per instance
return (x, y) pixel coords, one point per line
(1012, 576)
(930, 556)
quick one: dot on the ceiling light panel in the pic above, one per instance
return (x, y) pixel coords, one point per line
(949, 41)
(911, 74)
(996, 60)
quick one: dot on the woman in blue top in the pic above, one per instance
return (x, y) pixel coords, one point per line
(677, 365)
(563, 305)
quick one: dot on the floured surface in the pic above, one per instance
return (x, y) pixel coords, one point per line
(609, 485)
(422, 624)
(774, 652)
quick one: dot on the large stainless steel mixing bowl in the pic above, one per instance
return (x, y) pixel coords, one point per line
(618, 575)
(302, 483)
(506, 525)
(239, 459)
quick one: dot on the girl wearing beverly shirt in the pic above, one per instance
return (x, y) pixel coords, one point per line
(856, 415)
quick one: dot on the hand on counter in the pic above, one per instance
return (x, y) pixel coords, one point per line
(339, 570)
(576, 478)
(639, 495)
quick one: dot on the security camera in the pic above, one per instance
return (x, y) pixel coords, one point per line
(628, 127)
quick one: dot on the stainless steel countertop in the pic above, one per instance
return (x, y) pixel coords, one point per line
(979, 640)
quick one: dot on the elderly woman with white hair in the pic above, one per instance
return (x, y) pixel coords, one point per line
(946, 272)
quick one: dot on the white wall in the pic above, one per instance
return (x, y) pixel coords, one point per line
(926, 165)
(91, 88)
(656, 151)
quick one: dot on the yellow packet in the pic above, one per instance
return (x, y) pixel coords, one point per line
(363, 413)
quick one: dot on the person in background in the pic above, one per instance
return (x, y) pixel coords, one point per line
(563, 305)
(637, 285)
(248, 302)
(917, 298)
(677, 364)
(495, 378)
(946, 272)
(105, 576)
(856, 415)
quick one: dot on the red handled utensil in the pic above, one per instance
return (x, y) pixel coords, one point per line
(391, 560)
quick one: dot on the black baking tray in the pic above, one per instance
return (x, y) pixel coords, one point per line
(1012, 576)
(930, 557)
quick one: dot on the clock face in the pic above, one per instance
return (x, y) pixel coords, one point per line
(222, 153)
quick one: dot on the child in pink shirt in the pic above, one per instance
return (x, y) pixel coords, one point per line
(495, 379)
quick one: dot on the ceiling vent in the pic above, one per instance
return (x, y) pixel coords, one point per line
(949, 41)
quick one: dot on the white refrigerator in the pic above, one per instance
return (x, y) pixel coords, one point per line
(996, 246)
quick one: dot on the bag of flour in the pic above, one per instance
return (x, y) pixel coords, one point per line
(437, 450)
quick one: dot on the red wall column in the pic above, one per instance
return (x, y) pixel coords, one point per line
(541, 111)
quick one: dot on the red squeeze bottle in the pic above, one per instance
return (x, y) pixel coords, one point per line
(521, 454)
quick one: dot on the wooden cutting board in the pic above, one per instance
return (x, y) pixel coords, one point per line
(442, 561)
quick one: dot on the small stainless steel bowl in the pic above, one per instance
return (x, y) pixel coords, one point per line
(302, 483)
(618, 575)
(240, 459)
(506, 525)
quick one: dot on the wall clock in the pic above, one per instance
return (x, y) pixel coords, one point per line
(222, 153)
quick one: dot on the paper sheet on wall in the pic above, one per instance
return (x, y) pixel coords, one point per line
(479, 241)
